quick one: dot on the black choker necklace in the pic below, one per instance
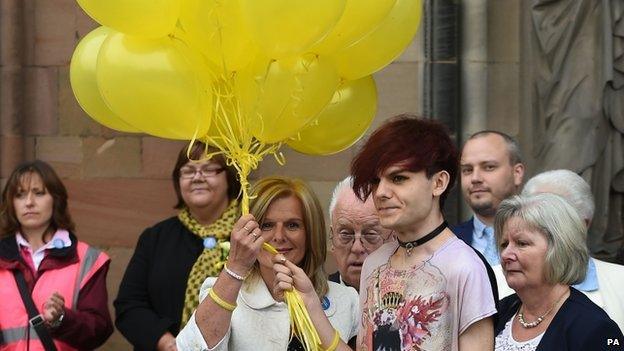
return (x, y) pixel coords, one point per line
(412, 244)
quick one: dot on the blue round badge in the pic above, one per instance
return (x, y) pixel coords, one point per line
(210, 242)
(58, 243)
(325, 303)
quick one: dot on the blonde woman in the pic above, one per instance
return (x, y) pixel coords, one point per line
(240, 309)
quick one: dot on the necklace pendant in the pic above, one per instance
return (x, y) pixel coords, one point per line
(408, 248)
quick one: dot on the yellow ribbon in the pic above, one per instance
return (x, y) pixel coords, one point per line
(243, 152)
(300, 322)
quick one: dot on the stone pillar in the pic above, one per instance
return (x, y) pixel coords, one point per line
(441, 78)
(11, 85)
(474, 76)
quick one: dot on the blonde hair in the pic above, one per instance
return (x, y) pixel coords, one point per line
(267, 190)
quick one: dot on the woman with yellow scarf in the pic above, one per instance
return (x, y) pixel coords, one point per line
(159, 290)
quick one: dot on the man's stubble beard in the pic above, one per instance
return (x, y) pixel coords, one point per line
(485, 209)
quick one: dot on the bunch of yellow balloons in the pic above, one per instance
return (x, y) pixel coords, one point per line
(243, 75)
(264, 71)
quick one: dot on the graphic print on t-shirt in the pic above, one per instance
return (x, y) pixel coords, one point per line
(407, 309)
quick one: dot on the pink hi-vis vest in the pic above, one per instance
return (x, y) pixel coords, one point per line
(67, 281)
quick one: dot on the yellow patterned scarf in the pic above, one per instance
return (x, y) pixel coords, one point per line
(216, 249)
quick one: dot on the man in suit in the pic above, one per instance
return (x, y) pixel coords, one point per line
(491, 170)
(355, 233)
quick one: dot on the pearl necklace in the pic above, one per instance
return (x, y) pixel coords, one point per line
(535, 323)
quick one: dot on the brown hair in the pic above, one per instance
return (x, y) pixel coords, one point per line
(61, 219)
(198, 151)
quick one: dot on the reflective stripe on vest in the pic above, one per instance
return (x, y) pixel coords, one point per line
(88, 261)
(16, 334)
(13, 316)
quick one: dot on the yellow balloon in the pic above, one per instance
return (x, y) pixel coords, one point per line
(283, 28)
(154, 85)
(279, 97)
(360, 17)
(216, 28)
(147, 18)
(84, 85)
(342, 122)
(383, 45)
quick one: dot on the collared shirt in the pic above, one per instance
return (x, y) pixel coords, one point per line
(341, 281)
(480, 240)
(591, 279)
(59, 240)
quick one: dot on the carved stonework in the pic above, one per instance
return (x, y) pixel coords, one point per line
(578, 90)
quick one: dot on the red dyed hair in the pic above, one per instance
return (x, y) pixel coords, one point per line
(417, 144)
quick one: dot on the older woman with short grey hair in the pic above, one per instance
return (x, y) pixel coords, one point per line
(603, 283)
(542, 246)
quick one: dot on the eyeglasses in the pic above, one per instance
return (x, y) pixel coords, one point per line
(189, 172)
(369, 241)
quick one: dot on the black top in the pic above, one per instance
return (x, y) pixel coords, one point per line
(579, 325)
(334, 277)
(151, 293)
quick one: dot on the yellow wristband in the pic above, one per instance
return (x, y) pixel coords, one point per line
(221, 302)
(335, 341)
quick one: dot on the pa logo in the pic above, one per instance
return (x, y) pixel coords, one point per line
(613, 342)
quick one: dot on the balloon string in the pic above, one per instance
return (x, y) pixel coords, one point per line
(300, 322)
(219, 32)
(243, 152)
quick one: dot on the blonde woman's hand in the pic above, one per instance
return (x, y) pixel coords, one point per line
(245, 244)
(288, 277)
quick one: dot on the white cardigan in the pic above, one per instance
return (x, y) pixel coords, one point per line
(609, 296)
(260, 323)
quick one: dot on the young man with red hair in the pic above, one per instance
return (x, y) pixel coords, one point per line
(429, 290)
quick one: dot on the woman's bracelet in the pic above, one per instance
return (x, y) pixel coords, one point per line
(221, 302)
(234, 274)
(335, 341)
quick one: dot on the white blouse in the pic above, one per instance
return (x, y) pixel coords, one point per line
(506, 342)
(260, 323)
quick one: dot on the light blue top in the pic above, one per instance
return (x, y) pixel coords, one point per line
(591, 279)
(483, 241)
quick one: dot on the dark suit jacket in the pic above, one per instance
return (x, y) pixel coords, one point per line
(464, 231)
(334, 277)
(578, 325)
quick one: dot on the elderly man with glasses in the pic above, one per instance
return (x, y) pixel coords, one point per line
(355, 233)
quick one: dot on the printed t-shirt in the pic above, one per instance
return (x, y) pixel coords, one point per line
(425, 307)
